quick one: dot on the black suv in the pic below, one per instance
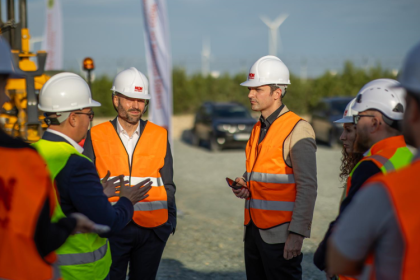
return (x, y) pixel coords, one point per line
(222, 125)
(324, 114)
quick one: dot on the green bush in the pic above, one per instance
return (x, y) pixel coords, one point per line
(190, 91)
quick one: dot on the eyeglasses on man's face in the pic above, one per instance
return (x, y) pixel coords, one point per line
(91, 114)
(356, 118)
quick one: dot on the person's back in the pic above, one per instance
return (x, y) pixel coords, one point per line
(19, 210)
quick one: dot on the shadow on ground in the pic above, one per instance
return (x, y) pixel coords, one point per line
(173, 269)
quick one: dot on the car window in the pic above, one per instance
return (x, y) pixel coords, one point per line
(231, 112)
(338, 107)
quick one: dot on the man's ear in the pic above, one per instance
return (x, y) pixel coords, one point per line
(72, 119)
(115, 100)
(377, 121)
(277, 94)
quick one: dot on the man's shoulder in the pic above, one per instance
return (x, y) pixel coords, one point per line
(302, 130)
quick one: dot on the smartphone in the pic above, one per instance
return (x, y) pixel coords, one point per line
(234, 185)
(100, 229)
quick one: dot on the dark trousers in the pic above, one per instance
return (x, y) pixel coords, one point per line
(140, 247)
(265, 261)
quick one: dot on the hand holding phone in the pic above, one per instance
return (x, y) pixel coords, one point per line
(233, 184)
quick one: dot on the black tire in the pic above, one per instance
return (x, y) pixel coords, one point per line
(195, 141)
(332, 139)
(214, 146)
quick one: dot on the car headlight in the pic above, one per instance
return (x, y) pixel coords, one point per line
(223, 127)
(227, 127)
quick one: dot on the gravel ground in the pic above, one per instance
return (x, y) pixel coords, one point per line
(208, 240)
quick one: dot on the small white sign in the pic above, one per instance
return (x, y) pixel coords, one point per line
(241, 136)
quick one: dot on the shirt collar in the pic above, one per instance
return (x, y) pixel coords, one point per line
(122, 130)
(71, 141)
(268, 121)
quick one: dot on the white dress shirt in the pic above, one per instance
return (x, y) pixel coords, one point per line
(129, 142)
(71, 141)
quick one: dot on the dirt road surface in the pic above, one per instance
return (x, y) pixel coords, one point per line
(208, 240)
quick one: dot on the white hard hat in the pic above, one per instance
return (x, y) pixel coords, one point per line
(389, 83)
(382, 96)
(131, 83)
(7, 65)
(348, 113)
(266, 71)
(410, 72)
(65, 92)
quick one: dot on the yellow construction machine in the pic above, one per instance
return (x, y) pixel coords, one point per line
(20, 116)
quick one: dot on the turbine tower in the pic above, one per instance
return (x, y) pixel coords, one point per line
(205, 57)
(273, 26)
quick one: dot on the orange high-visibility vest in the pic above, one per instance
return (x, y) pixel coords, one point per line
(269, 178)
(147, 160)
(24, 187)
(404, 190)
(389, 154)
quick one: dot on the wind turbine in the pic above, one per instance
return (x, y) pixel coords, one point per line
(273, 26)
(205, 57)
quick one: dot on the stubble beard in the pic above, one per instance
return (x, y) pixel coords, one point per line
(361, 143)
(124, 114)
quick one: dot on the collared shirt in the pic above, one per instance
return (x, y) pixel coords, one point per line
(129, 142)
(71, 141)
(266, 123)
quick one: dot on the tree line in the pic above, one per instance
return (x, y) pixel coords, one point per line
(190, 91)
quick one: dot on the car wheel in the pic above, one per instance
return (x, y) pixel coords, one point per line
(214, 146)
(195, 141)
(332, 139)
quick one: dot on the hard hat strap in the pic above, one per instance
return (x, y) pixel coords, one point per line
(61, 117)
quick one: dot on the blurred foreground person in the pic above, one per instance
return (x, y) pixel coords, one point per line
(68, 103)
(378, 137)
(137, 149)
(28, 238)
(280, 184)
(383, 221)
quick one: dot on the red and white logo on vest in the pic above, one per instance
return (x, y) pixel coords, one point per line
(251, 76)
(138, 89)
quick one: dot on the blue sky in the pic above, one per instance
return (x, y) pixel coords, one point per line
(320, 33)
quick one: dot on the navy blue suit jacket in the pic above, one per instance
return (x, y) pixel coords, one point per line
(81, 191)
(166, 173)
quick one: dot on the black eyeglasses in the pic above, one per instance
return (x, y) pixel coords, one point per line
(357, 118)
(90, 114)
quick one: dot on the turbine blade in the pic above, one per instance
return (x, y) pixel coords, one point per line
(266, 20)
(279, 20)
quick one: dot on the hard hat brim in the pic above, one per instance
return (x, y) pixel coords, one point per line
(344, 120)
(69, 109)
(252, 84)
(135, 95)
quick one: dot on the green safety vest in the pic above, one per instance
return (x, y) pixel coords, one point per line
(83, 255)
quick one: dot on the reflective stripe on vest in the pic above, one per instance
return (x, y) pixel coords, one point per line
(94, 264)
(83, 258)
(403, 189)
(389, 154)
(25, 186)
(147, 159)
(269, 179)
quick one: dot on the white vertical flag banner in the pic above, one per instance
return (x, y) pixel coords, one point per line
(53, 35)
(159, 63)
